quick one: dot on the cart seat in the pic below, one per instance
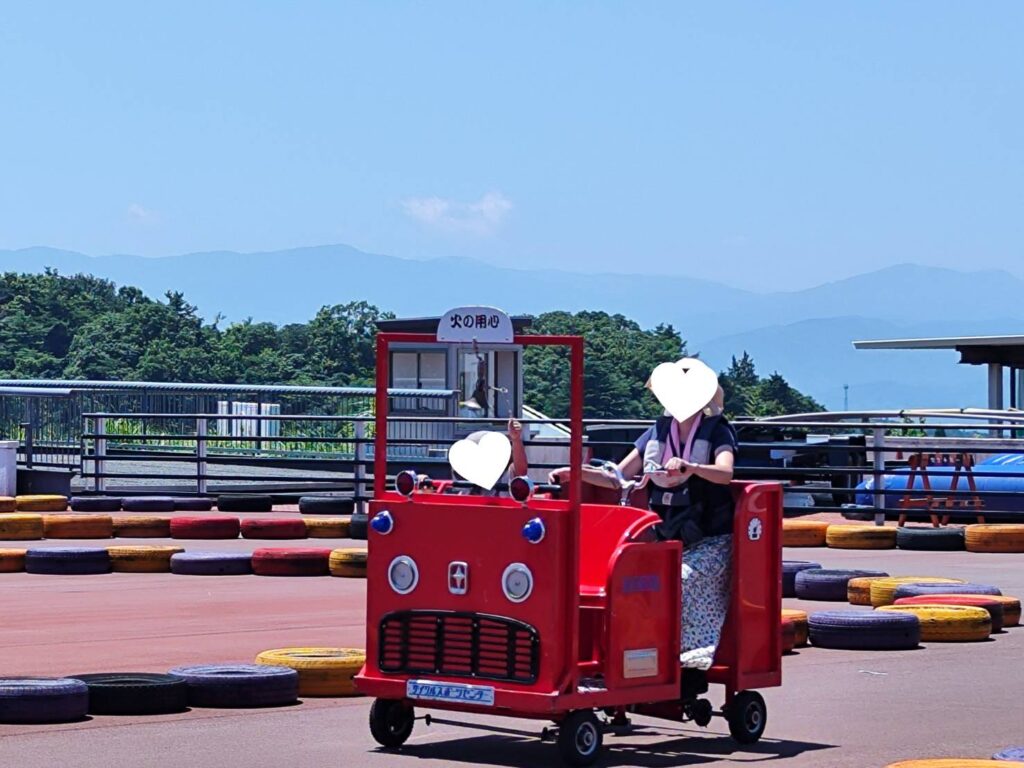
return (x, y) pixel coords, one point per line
(603, 529)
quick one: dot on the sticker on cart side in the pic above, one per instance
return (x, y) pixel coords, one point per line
(641, 662)
(481, 324)
(754, 529)
(429, 690)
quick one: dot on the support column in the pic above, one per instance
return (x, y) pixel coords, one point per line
(995, 386)
(1020, 387)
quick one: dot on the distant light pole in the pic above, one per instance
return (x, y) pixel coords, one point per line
(846, 397)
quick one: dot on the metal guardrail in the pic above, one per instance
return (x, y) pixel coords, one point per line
(330, 452)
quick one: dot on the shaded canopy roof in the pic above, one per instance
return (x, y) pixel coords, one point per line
(974, 350)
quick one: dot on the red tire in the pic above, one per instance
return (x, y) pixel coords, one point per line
(274, 528)
(204, 527)
(994, 607)
(291, 562)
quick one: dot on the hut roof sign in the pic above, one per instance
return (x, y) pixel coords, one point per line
(484, 325)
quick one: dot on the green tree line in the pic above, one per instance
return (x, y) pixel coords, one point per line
(82, 327)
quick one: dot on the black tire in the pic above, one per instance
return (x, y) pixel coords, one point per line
(825, 584)
(326, 505)
(747, 716)
(245, 502)
(211, 563)
(147, 504)
(67, 561)
(357, 527)
(580, 738)
(790, 568)
(128, 693)
(193, 504)
(237, 686)
(42, 700)
(94, 504)
(391, 722)
(932, 539)
(864, 630)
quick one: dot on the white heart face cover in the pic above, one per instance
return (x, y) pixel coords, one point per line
(481, 462)
(684, 393)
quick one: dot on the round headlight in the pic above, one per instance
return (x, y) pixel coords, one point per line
(403, 575)
(405, 482)
(521, 488)
(517, 582)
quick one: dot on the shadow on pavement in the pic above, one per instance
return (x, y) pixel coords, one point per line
(661, 747)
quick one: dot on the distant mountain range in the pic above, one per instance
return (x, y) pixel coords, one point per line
(804, 334)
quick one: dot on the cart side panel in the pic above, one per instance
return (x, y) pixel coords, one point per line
(643, 604)
(750, 653)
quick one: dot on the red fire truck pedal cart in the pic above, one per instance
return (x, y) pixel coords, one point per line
(551, 608)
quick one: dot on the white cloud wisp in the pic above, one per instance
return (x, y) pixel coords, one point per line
(482, 217)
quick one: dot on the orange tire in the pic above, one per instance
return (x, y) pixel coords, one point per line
(142, 559)
(12, 560)
(142, 527)
(799, 620)
(1000, 537)
(19, 527)
(858, 591)
(8, 504)
(78, 526)
(803, 533)
(41, 503)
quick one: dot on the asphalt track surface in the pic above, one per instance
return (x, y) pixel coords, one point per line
(835, 708)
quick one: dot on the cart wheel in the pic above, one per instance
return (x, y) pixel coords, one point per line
(580, 737)
(701, 712)
(391, 722)
(747, 716)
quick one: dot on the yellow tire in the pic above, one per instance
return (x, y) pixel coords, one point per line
(348, 562)
(799, 619)
(883, 591)
(948, 623)
(858, 591)
(322, 671)
(142, 559)
(78, 526)
(19, 527)
(860, 537)
(41, 503)
(326, 527)
(142, 527)
(949, 762)
(994, 538)
(803, 533)
(8, 504)
(12, 560)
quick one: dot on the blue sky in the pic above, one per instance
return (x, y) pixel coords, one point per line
(762, 144)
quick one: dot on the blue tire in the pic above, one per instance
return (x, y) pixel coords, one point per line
(211, 563)
(790, 568)
(827, 584)
(42, 700)
(1010, 754)
(94, 504)
(916, 590)
(67, 561)
(148, 504)
(237, 686)
(864, 630)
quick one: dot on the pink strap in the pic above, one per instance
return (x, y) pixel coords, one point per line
(673, 439)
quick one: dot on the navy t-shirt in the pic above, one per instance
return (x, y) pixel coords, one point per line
(722, 439)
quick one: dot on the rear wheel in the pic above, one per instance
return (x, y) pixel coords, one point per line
(747, 716)
(580, 738)
(391, 722)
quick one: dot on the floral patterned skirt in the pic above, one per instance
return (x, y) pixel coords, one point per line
(706, 575)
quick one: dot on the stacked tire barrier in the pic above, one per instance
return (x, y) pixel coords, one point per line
(860, 537)
(211, 563)
(864, 630)
(349, 563)
(238, 685)
(994, 538)
(828, 584)
(291, 562)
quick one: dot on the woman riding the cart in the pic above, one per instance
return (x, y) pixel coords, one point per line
(686, 459)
